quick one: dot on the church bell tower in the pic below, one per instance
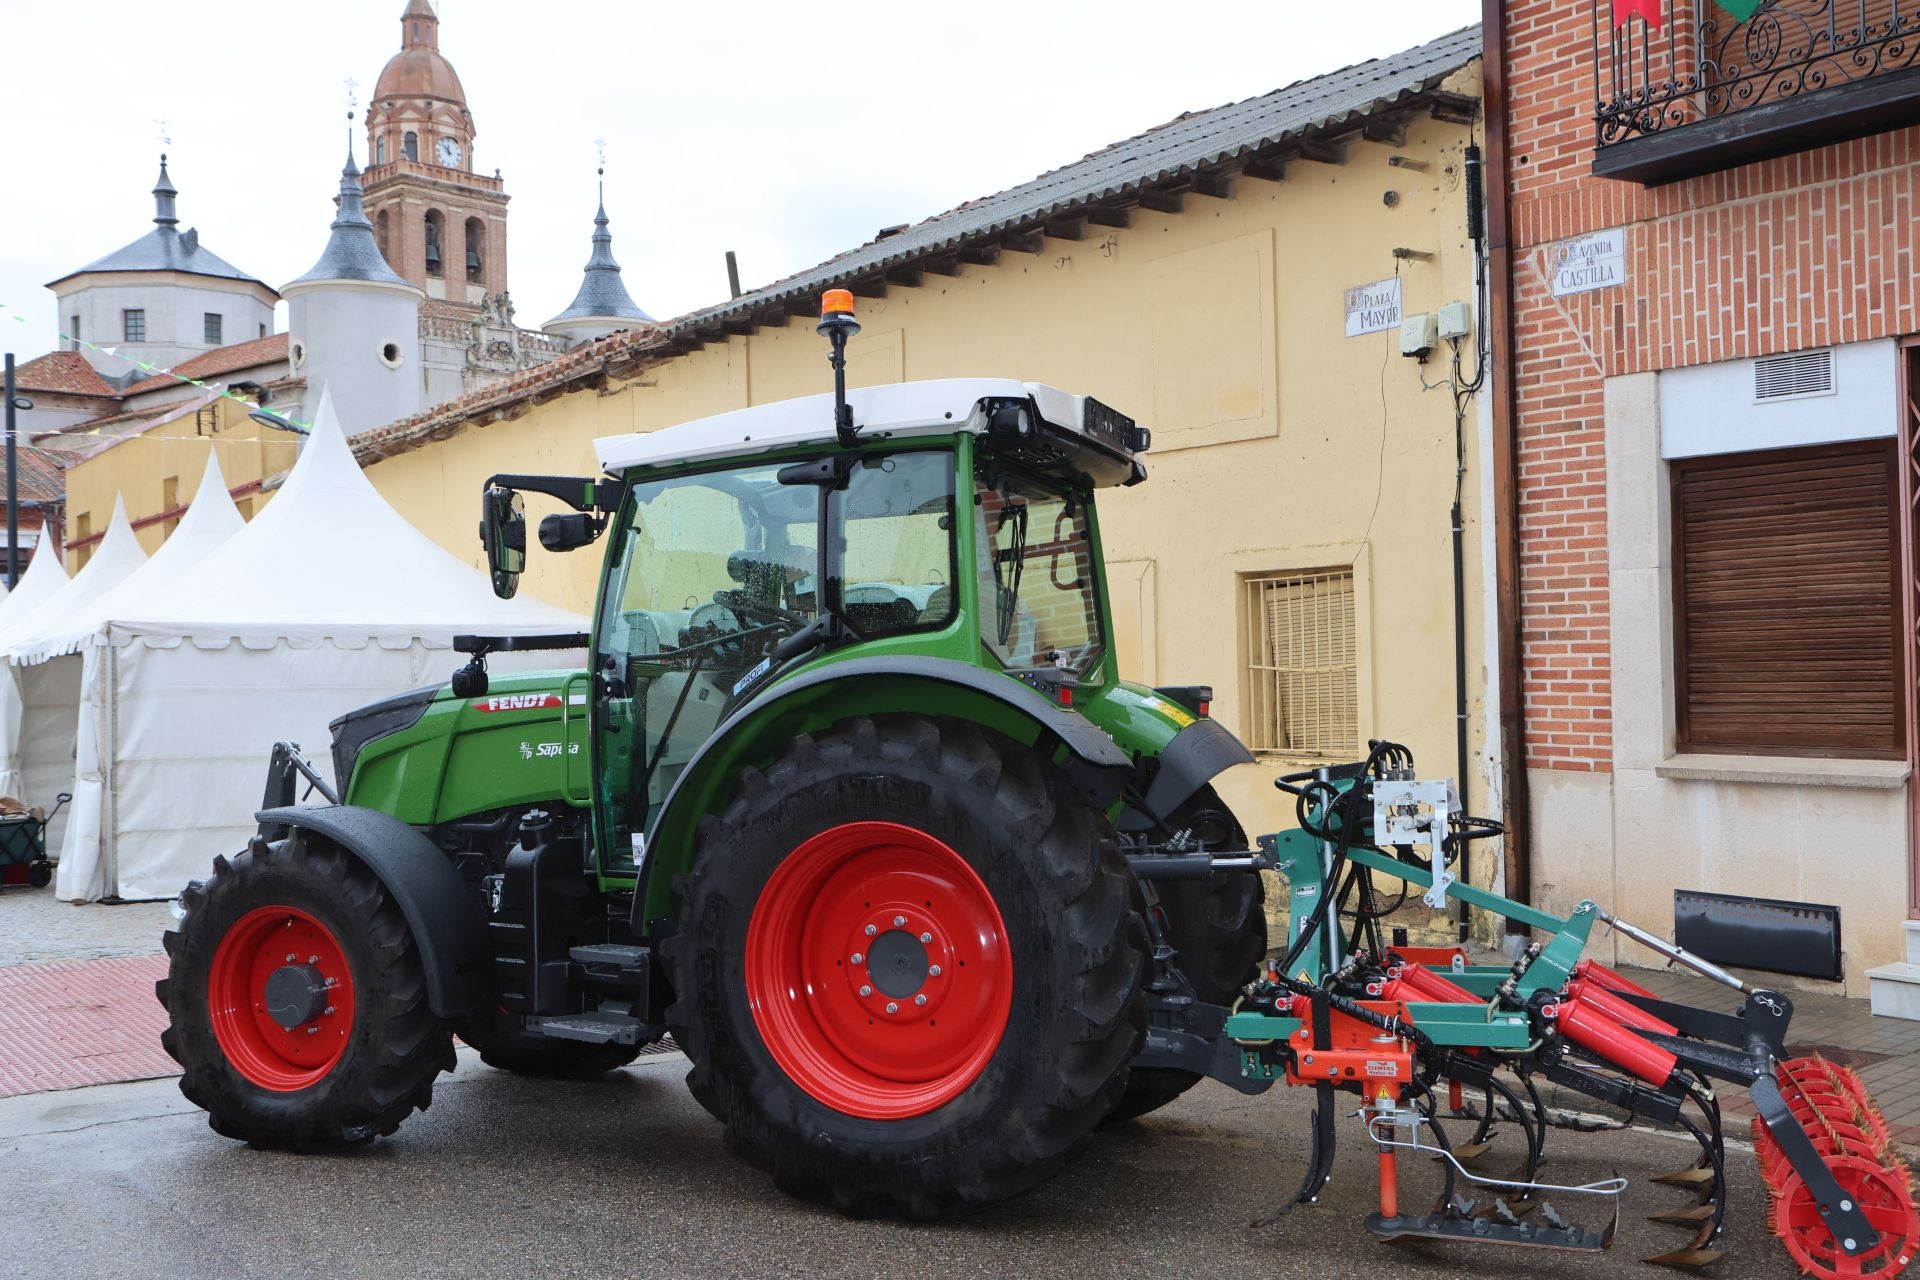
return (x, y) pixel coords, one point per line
(441, 225)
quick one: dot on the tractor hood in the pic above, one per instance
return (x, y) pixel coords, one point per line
(428, 756)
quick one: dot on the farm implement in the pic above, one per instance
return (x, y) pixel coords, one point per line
(1414, 1032)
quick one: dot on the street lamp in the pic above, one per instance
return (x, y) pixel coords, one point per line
(14, 401)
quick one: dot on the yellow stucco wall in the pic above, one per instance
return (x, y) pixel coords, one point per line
(1279, 443)
(159, 470)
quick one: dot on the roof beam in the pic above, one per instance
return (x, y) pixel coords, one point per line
(1110, 216)
(1320, 151)
(871, 287)
(1161, 201)
(739, 328)
(1067, 228)
(1265, 168)
(802, 305)
(1024, 241)
(980, 255)
(1391, 130)
(905, 277)
(1212, 182)
(1454, 108)
(943, 266)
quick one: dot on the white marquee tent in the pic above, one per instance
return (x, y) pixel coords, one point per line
(43, 576)
(38, 703)
(326, 601)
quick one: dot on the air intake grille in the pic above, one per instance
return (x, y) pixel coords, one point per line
(1803, 373)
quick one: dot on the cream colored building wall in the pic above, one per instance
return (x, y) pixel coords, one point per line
(139, 468)
(1279, 443)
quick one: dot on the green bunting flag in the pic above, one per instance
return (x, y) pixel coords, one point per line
(1741, 9)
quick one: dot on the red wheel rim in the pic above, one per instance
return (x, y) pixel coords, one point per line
(283, 941)
(906, 1026)
(1884, 1198)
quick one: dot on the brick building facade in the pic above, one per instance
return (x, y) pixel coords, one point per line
(1674, 738)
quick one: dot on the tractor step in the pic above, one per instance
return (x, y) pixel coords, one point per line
(605, 1025)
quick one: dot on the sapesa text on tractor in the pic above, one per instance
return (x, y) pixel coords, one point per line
(852, 802)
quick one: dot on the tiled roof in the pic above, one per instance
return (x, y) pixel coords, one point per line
(1218, 141)
(42, 475)
(66, 372)
(602, 294)
(241, 355)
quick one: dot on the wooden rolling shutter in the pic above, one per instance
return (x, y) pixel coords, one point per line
(1784, 581)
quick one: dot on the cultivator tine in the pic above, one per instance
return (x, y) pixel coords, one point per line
(1699, 1179)
(1319, 1160)
(1693, 1215)
(1694, 1255)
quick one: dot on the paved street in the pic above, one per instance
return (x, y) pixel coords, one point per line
(629, 1176)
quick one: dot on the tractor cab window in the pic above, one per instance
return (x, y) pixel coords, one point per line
(708, 574)
(1036, 584)
(897, 516)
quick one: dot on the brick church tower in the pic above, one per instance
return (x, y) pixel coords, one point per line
(440, 224)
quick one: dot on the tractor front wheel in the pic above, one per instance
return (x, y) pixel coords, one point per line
(297, 1002)
(908, 968)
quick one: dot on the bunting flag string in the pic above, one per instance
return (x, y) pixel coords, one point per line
(1648, 11)
(290, 422)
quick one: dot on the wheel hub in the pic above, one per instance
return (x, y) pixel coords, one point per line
(295, 994)
(898, 963)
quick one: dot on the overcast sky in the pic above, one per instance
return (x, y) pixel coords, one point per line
(784, 131)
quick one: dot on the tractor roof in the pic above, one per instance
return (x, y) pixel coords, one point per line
(1108, 441)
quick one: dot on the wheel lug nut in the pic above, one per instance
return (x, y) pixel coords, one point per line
(926, 937)
(866, 991)
(313, 1031)
(329, 1009)
(872, 929)
(919, 999)
(892, 1007)
(857, 957)
(933, 971)
(898, 921)
(289, 957)
(313, 959)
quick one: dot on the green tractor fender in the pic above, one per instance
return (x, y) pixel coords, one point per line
(446, 920)
(757, 731)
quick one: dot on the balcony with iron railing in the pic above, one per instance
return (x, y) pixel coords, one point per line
(1683, 87)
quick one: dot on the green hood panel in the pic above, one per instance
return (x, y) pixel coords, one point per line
(523, 742)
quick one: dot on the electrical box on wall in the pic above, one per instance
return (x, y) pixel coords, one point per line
(1456, 320)
(1416, 336)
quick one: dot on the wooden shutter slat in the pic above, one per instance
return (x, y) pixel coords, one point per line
(1786, 600)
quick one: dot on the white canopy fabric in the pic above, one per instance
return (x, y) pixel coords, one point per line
(38, 705)
(326, 601)
(43, 576)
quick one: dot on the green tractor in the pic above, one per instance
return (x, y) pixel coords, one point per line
(850, 801)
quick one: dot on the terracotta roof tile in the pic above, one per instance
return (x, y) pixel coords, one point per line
(42, 475)
(241, 355)
(66, 372)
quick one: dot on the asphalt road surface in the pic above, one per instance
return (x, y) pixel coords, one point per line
(629, 1177)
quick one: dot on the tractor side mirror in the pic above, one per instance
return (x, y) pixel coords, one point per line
(503, 531)
(567, 532)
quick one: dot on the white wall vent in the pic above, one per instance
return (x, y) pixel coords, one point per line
(1794, 376)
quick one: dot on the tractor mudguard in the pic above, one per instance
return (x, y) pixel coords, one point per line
(1196, 755)
(761, 727)
(440, 909)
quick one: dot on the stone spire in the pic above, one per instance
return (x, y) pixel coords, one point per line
(163, 194)
(603, 296)
(351, 252)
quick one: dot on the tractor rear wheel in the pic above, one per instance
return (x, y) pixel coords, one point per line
(297, 1002)
(1218, 926)
(908, 968)
(504, 1045)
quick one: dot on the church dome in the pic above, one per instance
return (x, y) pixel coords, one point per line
(419, 70)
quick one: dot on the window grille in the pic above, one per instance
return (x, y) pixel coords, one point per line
(212, 327)
(1302, 669)
(134, 325)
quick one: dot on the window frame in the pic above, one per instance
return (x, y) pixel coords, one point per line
(213, 328)
(1677, 470)
(129, 318)
(1253, 585)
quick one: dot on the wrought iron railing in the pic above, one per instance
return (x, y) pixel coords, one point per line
(1662, 64)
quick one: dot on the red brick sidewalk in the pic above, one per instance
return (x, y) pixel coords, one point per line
(81, 1022)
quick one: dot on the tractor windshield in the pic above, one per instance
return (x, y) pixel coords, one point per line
(709, 572)
(1036, 581)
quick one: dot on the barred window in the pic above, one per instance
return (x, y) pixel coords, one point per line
(211, 324)
(133, 324)
(1302, 672)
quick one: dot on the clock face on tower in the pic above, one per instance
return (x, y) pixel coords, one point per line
(447, 152)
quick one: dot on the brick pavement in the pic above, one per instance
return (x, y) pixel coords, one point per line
(81, 1022)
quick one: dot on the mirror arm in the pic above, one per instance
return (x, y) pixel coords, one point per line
(582, 493)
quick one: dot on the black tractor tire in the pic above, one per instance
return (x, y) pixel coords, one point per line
(392, 1045)
(504, 1045)
(1075, 1012)
(1219, 928)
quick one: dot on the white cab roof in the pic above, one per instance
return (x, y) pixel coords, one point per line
(898, 409)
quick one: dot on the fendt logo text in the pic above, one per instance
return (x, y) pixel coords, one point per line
(518, 702)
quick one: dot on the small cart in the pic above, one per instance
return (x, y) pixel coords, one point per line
(23, 847)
